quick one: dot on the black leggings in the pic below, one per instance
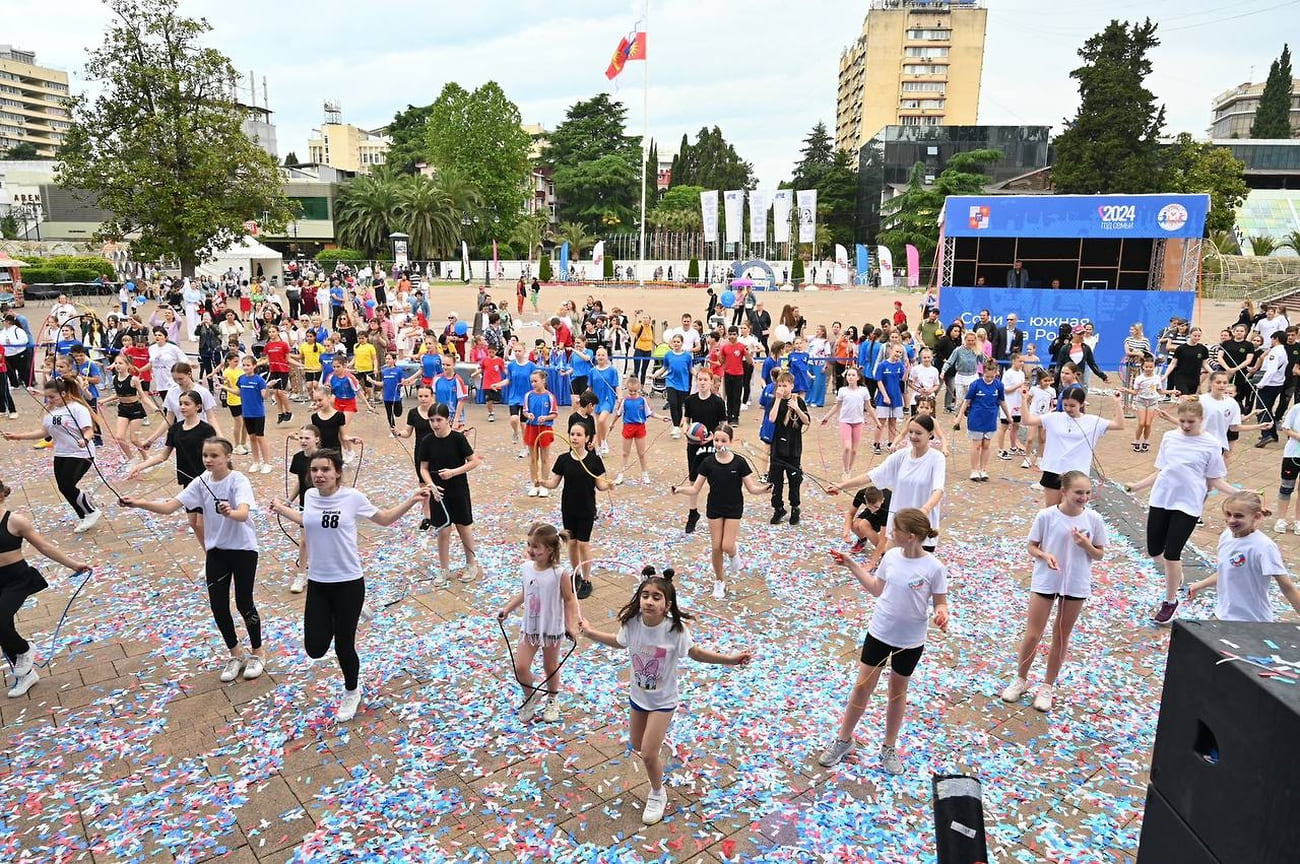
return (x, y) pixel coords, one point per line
(6, 396)
(1168, 532)
(676, 403)
(332, 612)
(640, 362)
(18, 581)
(746, 383)
(68, 471)
(392, 410)
(223, 566)
(733, 384)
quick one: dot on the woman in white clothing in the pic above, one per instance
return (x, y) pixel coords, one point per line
(1072, 438)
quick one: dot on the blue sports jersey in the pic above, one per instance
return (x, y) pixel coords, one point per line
(64, 346)
(539, 405)
(679, 370)
(430, 365)
(890, 375)
(250, 395)
(635, 409)
(604, 382)
(342, 388)
(868, 357)
(392, 377)
(448, 391)
(581, 362)
(519, 376)
(765, 400)
(90, 369)
(770, 363)
(799, 369)
(326, 365)
(984, 400)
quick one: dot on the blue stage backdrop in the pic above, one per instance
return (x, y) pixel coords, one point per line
(1040, 313)
(1092, 216)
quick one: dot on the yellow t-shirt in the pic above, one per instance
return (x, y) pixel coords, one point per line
(310, 353)
(645, 336)
(363, 357)
(232, 379)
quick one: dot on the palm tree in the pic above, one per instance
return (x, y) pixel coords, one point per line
(1292, 241)
(528, 233)
(428, 216)
(367, 211)
(1263, 244)
(575, 233)
(1225, 242)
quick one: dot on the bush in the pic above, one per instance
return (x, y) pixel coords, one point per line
(693, 270)
(43, 275)
(333, 256)
(95, 266)
(609, 268)
(80, 274)
(796, 272)
(505, 252)
(544, 273)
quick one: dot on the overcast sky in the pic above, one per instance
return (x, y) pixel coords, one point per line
(762, 70)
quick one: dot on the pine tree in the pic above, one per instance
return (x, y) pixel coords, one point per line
(1273, 116)
(817, 157)
(1112, 144)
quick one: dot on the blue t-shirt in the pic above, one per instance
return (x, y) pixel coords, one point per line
(336, 295)
(581, 362)
(430, 365)
(326, 365)
(341, 387)
(604, 382)
(890, 376)
(868, 357)
(250, 395)
(635, 409)
(679, 370)
(392, 377)
(519, 376)
(446, 391)
(64, 346)
(770, 363)
(799, 369)
(90, 369)
(984, 400)
(767, 427)
(539, 405)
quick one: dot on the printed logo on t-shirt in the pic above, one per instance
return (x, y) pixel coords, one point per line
(1238, 559)
(330, 518)
(917, 584)
(646, 668)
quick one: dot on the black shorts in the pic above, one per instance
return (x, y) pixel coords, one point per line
(1168, 532)
(459, 509)
(729, 513)
(516, 410)
(144, 386)
(902, 660)
(491, 396)
(130, 411)
(280, 380)
(311, 376)
(578, 385)
(1015, 418)
(366, 379)
(1290, 468)
(192, 509)
(236, 410)
(1233, 434)
(1053, 597)
(579, 526)
(255, 425)
(1050, 480)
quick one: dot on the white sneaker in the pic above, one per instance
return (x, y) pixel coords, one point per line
(349, 457)
(241, 450)
(655, 802)
(13, 415)
(618, 479)
(1043, 699)
(1016, 690)
(349, 704)
(744, 406)
(147, 422)
(732, 564)
(24, 662)
(367, 611)
(266, 468)
(604, 449)
(298, 584)
(529, 708)
(676, 433)
(719, 589)
(23, 684)
(1295, 526)
(469, 571)
(254, 667)
(984, 475)
(1026, 463)
(551, 713)
(231, 671)
(975, 475)
(533, 492)
(523, 453)
(835, 752)
(92, 519)
(438, 578)
(253, 466)
(543, 492)
(645, 478)
(889, 759)
(1280, 526)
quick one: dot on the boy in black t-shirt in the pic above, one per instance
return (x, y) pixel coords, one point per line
(584, 414)
(707, 408)
(789, 416)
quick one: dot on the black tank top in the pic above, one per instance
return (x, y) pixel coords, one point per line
(124, 390)
(8, 542)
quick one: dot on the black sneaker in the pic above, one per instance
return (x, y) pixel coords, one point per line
(425, 524)
(794, 515)
(692, 519)
(875, 449)
(584, 589)
(778, 516)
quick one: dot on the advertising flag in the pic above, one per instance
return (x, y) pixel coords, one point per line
(564, 262)
(598, 256)
(841, 265)
(782, 202)
(863, 264)
(757, 216)
(733, 208)
(913, 266)
(807, 199)
(886, 266)
(709, 214)
(465, 275)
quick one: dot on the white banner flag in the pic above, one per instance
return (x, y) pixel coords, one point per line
(807, 215)
(841, 265)
(886, 261)
(709, 213)
(757, 216)
(733, 208)
(598, 256)
(782, 201)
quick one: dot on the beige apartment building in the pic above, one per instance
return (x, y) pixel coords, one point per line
(33, 103)
(1232, 112)
(917, 63)
(345, 147)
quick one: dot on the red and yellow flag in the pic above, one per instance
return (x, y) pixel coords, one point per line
(627, 51)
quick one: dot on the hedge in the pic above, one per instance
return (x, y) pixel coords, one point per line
(693, 270)
(796, 272)
(333, 256)
(59, 269)
(609, 268)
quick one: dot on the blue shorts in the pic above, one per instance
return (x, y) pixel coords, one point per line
(605, 406)
(636, 707)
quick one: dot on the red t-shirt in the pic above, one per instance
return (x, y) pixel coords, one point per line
(494, 369)
(900, 317)
(139, 357)
(563, 336)
(733, 358)
(277, 355)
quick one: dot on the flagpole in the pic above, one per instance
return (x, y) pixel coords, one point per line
(645, 139)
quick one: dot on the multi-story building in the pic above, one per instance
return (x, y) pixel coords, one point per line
(917, 63)
(1232, 112)
(346, 147)
(33, 103)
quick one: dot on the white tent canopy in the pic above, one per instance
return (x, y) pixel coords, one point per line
(246, 255)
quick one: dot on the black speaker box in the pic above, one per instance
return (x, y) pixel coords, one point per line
(1166, 839)
(1227, 750)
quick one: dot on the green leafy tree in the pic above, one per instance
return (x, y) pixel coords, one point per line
(1273, 116)
(1292, 241)
(597, 166)
(8, 227)
(712, 163)
(575, 234)
(477, 135)
(1191, 166)
(544, 272)
(678, 210)
(528, 233)
(816, 159)
(837, 198)
(651, 177)
(1112, 144)
(26, 151)
(160, 145)
(592, 129)
(409, 131)
(913, 216)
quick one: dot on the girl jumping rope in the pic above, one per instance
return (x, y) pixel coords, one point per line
(1248, 561)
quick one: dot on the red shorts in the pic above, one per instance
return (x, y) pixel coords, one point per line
(347, 405)
(632, 431)
(538, 436)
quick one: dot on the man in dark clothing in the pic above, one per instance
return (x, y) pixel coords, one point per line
(760, 321)
(1018, 276)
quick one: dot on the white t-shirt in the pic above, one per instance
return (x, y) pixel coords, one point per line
(64, 311)
(1246, 566)
(924, 377)
(1041, 400)
(330, 533)
(1147, 386)
(1185, 462)
(1291, 449)
(64, 425)
(1220, 416)
(1274, 367)
(161, 360)
(1012, 382)
(1071, 441)
(1266, 327)
(655, 652)
(853, 402)
(543, 605)
(222, 532)
(172, 402)
(911, 481)
(690, 338)
(903, 610)
(1052, 531)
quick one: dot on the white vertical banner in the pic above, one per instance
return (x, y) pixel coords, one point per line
(709, 214)
(807, 199)
(598, 257)
(782, 202)
(841, 265)
(733, 208)
(886, 262)
(758, 216)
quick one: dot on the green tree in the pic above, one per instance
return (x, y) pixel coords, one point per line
(291, 160)
(478, 136)
(1263, 245)
(816, 160)
(712, 163)
(678, 210)
(597, 167)
(913, 216)
(1273, 116)
(367, 211)
(1191, 166)
(8, 227)
(24, 151)
(160, 145)
(592, 129)
(1291, 240)
(409, 131)
(544, 271)
(1112, 144)
(575, 234)
(651, 176)
(837, 198)
(428, 215)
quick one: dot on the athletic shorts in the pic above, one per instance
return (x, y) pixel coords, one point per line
(578, 385)
(1168, 532)
(1015, 418)
(459, 509)
(348, 406)
(516, 410)
(579, 526)
(902, 660)
(366, 379)
(884, 412)
(538, 436)
(633, 431)
(1290, 468)
(492, 397)
(236, 410)
(1050, 480)
(1062, 596)
(311, 376)
(255, 425)
(130, 411)
(979, 436)
(280, 380)
(639, 709)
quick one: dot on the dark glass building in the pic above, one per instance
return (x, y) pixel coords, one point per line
(887, 159)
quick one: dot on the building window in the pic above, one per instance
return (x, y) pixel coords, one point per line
(935, 51)
(924, 69)
(313, 207)
(930, 35)
(925, 87)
